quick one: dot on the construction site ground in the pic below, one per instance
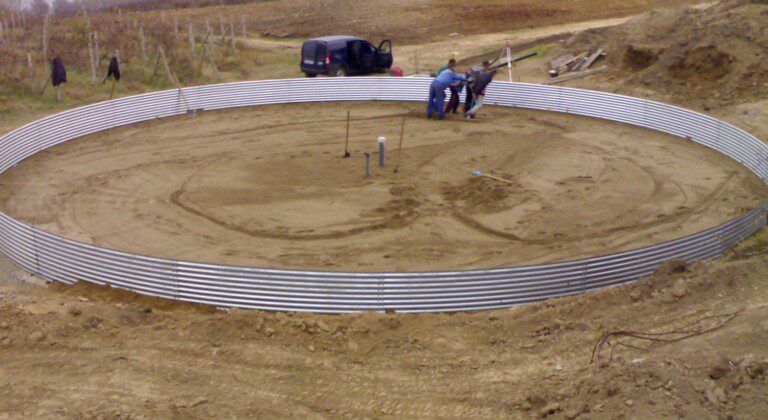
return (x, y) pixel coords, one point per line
(85, 350)
(268, 187)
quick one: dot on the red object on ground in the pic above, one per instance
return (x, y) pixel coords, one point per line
(396, 72)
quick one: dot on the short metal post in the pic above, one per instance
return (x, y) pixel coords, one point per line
(382, 140)
(367, 165)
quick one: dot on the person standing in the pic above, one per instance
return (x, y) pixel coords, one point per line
(451, 65)
(480, 84)
(437, 92)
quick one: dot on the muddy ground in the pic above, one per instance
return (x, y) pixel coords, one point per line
(268, 186)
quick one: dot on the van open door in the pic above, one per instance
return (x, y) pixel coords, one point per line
(384, 55)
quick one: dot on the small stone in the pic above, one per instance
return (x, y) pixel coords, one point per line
(83, 299)
(670, 267)
(322, 326)
(629, 403)
(679, 291)
(571, 414)
(311, 348)
(720, 369)
(549, 409)
(635, 295)
(269, 331)
(36, 336)
(6, 341)
(352, 346)
(715, 395)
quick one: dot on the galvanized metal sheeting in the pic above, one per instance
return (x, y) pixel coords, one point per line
(60, 259)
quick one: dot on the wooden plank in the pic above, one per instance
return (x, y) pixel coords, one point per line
(577, 61)
(561, 61)
(572, 76)
(592, 58)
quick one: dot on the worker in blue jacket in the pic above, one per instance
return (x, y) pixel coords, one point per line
(437, 92)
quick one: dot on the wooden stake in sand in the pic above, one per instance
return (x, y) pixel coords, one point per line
(346, 139)
(399, 148)
(496, 178)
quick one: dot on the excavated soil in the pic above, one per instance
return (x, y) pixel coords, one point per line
(88, 351)
(268, 186)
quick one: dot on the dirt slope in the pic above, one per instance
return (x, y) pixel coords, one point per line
(703, 57)
(86, 351)
(419, 21)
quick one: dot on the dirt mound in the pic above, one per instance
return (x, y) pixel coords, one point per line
(715, 55)
(481, 194)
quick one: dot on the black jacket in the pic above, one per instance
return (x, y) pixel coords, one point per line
(482, 80)
(58, 73)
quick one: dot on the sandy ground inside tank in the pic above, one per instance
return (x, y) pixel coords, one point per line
(267, 186)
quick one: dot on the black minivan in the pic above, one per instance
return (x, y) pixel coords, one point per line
(344, 55)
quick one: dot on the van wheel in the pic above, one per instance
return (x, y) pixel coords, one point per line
(310, 75)
(339, 72)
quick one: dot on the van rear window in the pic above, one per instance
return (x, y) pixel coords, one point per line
(308, 49)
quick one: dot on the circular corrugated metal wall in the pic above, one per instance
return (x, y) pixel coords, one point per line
(60, 259)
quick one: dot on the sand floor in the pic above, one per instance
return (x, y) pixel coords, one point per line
(268, 187)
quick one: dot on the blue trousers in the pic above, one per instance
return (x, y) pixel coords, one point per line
(436, 100)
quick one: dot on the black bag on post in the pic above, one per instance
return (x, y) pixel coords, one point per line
(58, 73)
(114, 69)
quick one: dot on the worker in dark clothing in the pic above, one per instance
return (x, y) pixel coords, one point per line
(453, 103)
(479, 85)
(437, 92)
(469, 100)
(455, 87)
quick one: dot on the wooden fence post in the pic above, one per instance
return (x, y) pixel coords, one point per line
(213, 62)
(232, 33)
(176, 27)
(46, 23)
(98, 50)
(191, 33)
(143, 42)
(31, 71)
(90, 54)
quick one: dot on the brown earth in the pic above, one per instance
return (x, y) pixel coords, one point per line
(267, 186)
(418, 21)
(86, 351)
(93, 352)
(700, 57)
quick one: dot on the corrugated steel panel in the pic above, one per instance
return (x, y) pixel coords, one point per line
(61, 259)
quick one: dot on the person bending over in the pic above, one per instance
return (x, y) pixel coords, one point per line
(481, 82)
(437, 92)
